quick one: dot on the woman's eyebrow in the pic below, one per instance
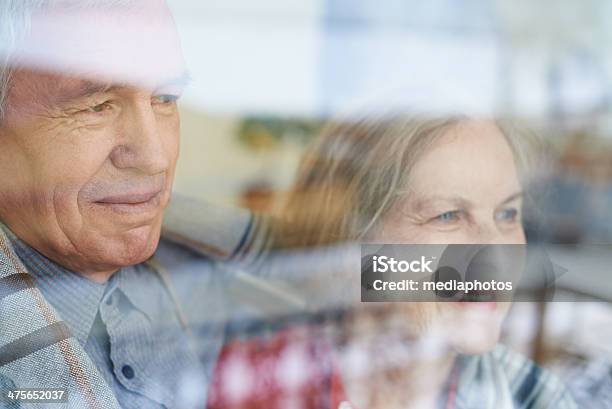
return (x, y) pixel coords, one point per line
(513, 197)
(427, 201)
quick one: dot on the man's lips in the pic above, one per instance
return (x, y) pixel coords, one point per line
(142, 204)
(129, 198)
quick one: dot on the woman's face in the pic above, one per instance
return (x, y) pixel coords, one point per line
(464, 190)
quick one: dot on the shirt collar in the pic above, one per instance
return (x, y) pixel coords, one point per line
(77, 299)
(141, 286)
(74, 297)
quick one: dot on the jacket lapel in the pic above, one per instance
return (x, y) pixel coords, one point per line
(36, 347)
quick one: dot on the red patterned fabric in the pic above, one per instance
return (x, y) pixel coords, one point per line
(288, 369)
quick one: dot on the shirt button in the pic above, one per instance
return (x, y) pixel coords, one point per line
(109, 300)
(127, 371)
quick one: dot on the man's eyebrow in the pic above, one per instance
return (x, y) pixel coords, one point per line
(89, 88)
(82, 89)
(86, 88)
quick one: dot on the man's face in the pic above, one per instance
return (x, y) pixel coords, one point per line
(88, 160)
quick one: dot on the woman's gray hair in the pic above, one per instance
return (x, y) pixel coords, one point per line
(356, 170)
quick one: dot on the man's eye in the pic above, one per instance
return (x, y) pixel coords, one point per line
(165, 99)
(96, 109)
(507, 215)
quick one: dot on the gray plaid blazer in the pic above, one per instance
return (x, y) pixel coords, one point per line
(37, 349)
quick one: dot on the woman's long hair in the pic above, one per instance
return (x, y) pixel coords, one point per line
(352, 174)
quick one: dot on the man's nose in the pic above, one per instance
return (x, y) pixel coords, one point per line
(141, 144)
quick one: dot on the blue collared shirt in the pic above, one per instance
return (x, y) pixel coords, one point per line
(128, 327)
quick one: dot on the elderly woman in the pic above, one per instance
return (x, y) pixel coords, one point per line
(399, 179)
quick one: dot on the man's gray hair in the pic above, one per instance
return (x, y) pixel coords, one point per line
(15, 23)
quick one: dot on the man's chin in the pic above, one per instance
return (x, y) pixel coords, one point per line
(140, 245)
(129, 248)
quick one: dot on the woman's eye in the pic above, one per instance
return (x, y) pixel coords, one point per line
(450, 216)
(507, 215)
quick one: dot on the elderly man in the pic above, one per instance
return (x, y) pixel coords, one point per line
(90, 300)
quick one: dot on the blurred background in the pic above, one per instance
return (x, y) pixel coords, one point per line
(268, 74)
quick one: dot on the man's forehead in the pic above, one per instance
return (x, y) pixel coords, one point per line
(80, 87)
(135, 45)
(45, 89)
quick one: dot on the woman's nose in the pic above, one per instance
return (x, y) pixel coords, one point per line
(489, 232)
